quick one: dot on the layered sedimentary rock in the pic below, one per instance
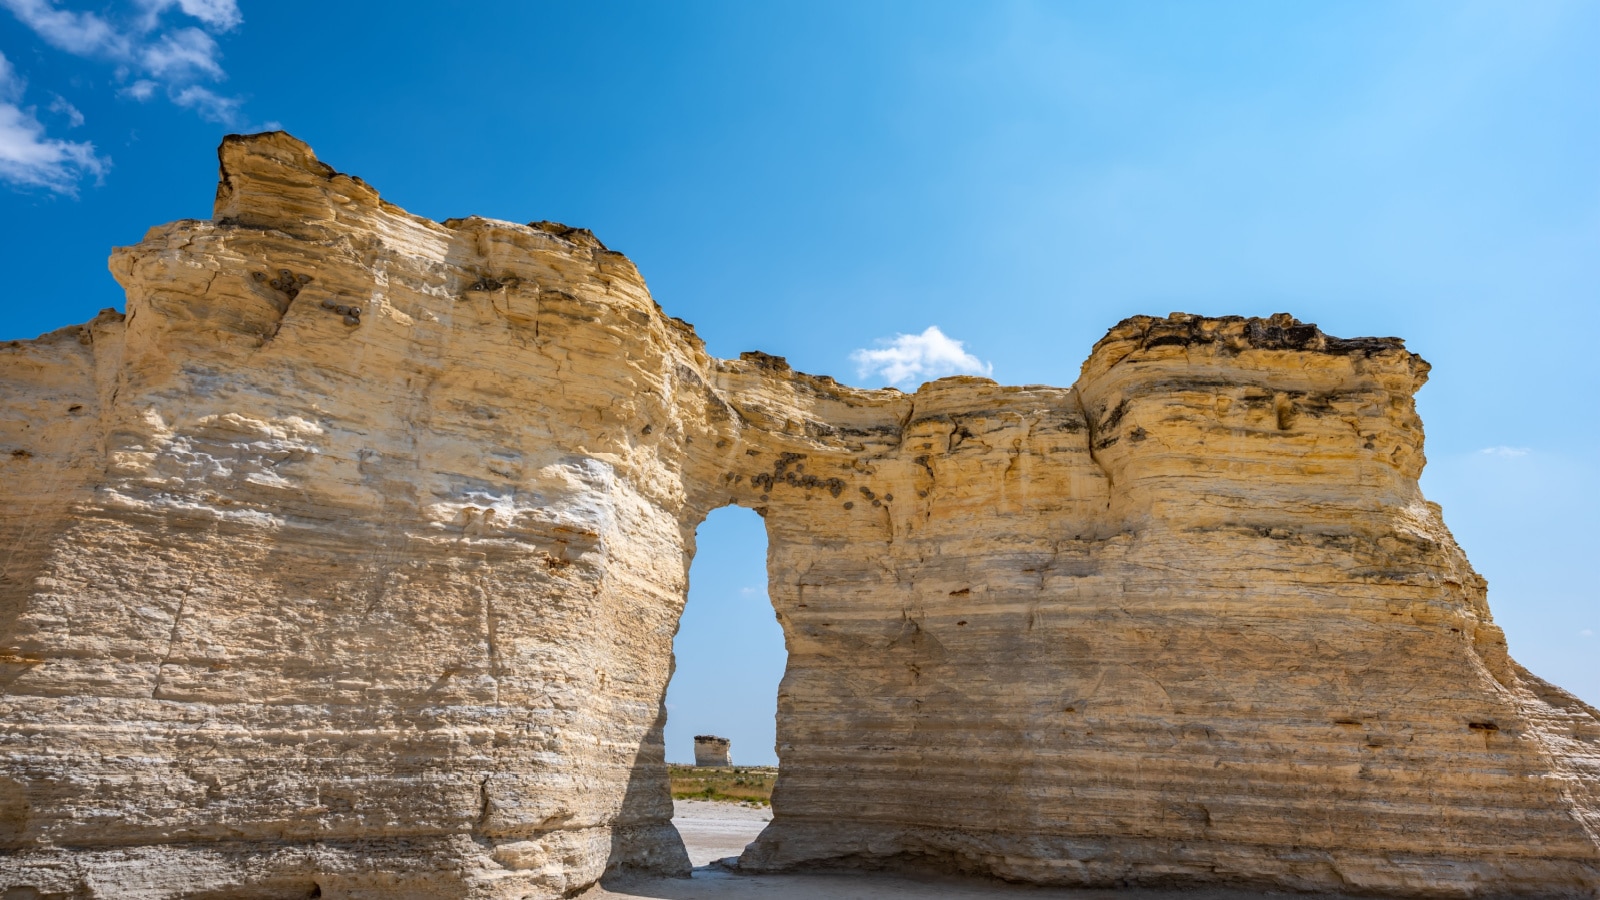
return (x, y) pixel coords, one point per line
(710, 750)
(347, 564)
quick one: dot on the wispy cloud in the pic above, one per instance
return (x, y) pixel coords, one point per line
(1587, 632)
(78, 33)
(140, 90)
(146, 52)
(222, 15)
(913, 358)
(211, 106)
(150, 56)
(66, 110)
(1506, 452)
(181, 55)
(28, 158)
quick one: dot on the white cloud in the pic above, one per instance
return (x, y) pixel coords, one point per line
(1587, 632)
(182, 54)
(750, 591)
(30, 159)
(905, 358)
(1506, 452)
(211, 106)
(61, 107)
(81, 34)
(140, 90)
(223, 15)
(145, 49)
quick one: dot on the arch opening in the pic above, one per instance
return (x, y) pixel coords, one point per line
(729, 656)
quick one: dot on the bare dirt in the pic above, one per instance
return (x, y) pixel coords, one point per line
(714, 830)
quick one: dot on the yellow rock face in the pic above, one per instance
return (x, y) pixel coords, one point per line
(348, 565)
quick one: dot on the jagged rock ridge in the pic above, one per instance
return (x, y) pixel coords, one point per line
(347, 564)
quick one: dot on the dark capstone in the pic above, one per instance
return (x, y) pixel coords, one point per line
(1301, 336)
(1181, 339)
(765, 360)
(1279, 331)
(1364, 345)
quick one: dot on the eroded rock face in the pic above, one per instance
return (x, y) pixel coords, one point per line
(348, 565)
(710, 750)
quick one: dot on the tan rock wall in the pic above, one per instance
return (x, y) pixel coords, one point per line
(385, 608)
(1209, 631)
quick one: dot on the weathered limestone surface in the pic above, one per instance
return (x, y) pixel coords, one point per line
(299, 606)
(710, 750)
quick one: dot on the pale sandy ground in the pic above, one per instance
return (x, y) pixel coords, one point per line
(712, 831)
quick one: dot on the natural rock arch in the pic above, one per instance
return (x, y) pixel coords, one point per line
(384, 607)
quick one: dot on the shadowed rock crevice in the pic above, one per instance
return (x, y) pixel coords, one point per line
(386, 607)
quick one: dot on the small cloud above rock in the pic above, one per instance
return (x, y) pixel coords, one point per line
(910, 359)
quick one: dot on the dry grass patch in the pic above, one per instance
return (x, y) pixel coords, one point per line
(733, 784)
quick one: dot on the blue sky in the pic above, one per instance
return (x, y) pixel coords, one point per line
(829, 181)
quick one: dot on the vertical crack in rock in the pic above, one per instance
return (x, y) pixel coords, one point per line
(906, 420)
(1090, 434)
(491, 637)
(485, 806)
(172, 637)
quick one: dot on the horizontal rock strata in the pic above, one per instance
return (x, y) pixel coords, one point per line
(710, 750)
(347, 564)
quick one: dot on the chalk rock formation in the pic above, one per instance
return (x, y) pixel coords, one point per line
(347, 564)
(710, 750)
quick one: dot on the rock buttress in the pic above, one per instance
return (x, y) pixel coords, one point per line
(349, 564)
(342, 607)
(1188, 623)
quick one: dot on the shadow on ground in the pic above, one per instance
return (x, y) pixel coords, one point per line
(712, 883)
